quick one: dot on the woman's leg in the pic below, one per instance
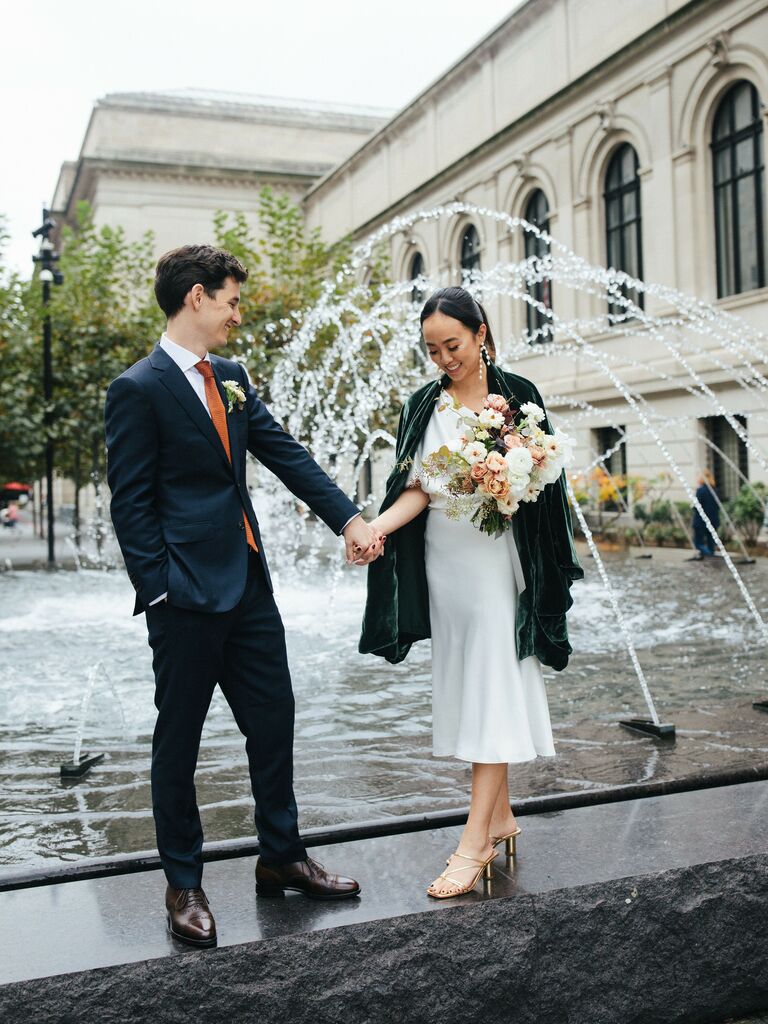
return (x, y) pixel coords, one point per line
(487, 779)
(502, 820)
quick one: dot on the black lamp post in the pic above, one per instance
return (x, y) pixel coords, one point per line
(47, 258)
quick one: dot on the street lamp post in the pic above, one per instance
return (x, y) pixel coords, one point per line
(47, 258)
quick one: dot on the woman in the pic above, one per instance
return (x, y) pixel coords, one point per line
(494, 616)
(707, 497)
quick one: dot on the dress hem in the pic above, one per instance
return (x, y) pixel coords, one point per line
(475, 760)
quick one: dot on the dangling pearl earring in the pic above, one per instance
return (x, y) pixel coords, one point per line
(483, 359)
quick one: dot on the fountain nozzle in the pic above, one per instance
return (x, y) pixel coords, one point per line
(76, 769)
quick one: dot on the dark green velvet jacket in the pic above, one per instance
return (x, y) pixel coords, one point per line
(397, 608)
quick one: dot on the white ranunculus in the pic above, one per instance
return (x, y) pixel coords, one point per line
(565, 444)
(474, 452)
(531, 492)
(519, 461)
(491, 420)
(550, 472)
(518, 485)
(532, 411)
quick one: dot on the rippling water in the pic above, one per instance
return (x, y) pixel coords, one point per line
(363, 730)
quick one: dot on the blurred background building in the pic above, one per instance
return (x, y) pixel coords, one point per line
(632, 132)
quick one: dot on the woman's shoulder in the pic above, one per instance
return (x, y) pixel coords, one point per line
(426, 391)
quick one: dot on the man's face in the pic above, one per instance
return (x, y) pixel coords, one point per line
(220, 313)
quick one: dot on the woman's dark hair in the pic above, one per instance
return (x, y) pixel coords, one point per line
(180, 269)
(458, 303)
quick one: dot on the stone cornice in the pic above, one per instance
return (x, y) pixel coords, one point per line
(254, 177)
(254, 110)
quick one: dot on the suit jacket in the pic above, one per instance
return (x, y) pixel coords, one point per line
(397, 608)
(177, 502)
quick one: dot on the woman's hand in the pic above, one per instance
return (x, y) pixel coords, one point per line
(371, 553)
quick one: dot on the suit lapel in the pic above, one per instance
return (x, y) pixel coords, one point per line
(172, 378)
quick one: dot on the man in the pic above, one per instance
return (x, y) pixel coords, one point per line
(178, 424)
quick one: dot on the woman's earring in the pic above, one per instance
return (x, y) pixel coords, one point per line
(483, 359)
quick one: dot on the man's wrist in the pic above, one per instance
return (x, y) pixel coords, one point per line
(350, 520)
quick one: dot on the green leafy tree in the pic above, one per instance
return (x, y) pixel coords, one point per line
(288, 267)
(21, 383)
(103, 319)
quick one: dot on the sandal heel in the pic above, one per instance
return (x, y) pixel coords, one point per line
(510, 843)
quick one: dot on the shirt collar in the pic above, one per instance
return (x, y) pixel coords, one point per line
(183, 358)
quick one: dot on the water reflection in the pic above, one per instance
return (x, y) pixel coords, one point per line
(363, 732)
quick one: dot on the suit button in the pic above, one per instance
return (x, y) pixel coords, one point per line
(241, 524)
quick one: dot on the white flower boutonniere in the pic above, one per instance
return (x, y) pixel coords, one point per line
(235, 394)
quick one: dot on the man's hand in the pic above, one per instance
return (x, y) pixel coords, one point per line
(363, 543)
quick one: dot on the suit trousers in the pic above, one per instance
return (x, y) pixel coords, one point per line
(243, 650)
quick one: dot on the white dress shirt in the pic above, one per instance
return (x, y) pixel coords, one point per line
(186, 362)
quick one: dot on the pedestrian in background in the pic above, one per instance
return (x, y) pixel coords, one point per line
(708, 498)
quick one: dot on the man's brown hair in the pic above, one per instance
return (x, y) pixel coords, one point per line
(180, 269)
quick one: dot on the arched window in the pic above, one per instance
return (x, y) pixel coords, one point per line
(624, 249)
(470, 251)
(417, 268)
(737, 160)
(537, 213)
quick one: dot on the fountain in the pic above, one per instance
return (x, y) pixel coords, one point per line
(370, 365)
(360, 718)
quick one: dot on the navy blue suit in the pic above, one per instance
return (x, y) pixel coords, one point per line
(177, 508)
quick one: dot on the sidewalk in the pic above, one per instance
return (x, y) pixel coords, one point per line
(648, 910)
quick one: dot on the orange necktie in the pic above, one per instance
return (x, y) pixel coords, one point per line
(219, 417)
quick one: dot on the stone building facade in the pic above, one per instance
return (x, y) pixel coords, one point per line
(633, 132)
(167, 162)
(567, 109)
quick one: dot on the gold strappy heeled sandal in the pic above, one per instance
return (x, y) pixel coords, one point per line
(483, 868)
(509, 839)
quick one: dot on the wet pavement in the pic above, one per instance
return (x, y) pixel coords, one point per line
(363, 731)
(81, 925)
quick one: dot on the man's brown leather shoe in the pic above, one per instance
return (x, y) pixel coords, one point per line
(304, 876)
(189, 916)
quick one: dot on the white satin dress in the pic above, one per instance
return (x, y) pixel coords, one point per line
(487, 705)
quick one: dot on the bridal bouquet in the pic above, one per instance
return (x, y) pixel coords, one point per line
(497, 463)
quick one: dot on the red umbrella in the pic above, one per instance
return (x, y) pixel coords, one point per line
(16, 486)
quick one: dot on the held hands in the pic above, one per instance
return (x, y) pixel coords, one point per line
(364, 542)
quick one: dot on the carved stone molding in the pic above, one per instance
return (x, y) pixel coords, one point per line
(607, 115)
(521, 165)
(718, 46)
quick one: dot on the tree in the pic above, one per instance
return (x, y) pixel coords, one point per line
(21, 382)
(289, 267)
(104, 318)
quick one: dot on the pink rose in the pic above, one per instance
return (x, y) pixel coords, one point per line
(537, 453)
(512, 441)
(496, 487)
(478, 471)
(495, 463)
(496, 402)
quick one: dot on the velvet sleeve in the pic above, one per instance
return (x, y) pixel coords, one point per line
(558, 516)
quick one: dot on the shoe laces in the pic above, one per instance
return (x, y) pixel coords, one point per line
(196, 898)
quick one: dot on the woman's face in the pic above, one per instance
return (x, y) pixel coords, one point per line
(452, 346)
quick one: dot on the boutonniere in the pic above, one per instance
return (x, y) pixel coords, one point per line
(235, 394)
